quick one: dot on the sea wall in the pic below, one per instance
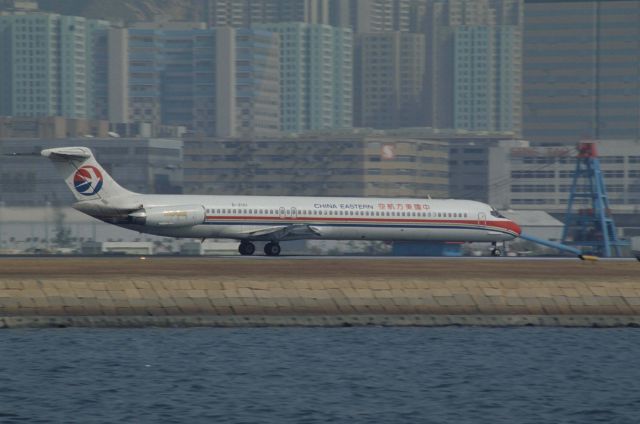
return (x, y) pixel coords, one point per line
(234, 300)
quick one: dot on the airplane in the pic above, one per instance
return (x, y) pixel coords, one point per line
(273, 219)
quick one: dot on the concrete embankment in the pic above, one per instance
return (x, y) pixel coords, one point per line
(316, 292)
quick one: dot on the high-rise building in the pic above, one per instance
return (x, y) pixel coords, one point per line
(367, 16)
(246, 13)
(581, 70)
(362, 16)
(220, 81)
(537, 177)
(474, 61)
(388, 89)
(318, 165)
(316, 67)
(49, 66)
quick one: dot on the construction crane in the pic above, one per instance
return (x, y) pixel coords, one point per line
(588, 223)
(589, 228)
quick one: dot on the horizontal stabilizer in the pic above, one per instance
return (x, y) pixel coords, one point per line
(67, 153)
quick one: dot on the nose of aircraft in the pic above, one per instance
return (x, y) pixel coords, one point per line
(515, 227)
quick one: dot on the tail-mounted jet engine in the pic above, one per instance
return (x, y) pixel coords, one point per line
(169, 216)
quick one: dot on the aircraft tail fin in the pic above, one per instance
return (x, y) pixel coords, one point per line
(84, 176)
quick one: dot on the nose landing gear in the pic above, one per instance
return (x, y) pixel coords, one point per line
(495, 250)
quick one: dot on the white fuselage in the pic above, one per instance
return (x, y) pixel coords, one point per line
(273, 218)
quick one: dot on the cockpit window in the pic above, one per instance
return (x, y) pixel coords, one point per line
(496, 214)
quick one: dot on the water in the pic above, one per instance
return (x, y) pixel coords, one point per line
(317, 375)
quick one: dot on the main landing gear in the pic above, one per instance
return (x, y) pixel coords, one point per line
(247, 248)
(495, 250)
(272, 249)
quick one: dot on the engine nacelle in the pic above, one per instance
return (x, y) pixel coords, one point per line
(169, 216)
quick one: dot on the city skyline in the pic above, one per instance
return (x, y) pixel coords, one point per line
(157, 85)
(473, 74)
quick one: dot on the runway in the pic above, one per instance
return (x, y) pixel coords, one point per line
(316, 291)
(320, 267)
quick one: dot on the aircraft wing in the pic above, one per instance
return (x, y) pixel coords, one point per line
(280, 232)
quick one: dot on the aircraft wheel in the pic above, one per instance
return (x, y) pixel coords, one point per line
(272, 249)
(246, 248)
(496, 252)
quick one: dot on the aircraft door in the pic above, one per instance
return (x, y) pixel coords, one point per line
(294, 213)
(281, 213)
(482, 218)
